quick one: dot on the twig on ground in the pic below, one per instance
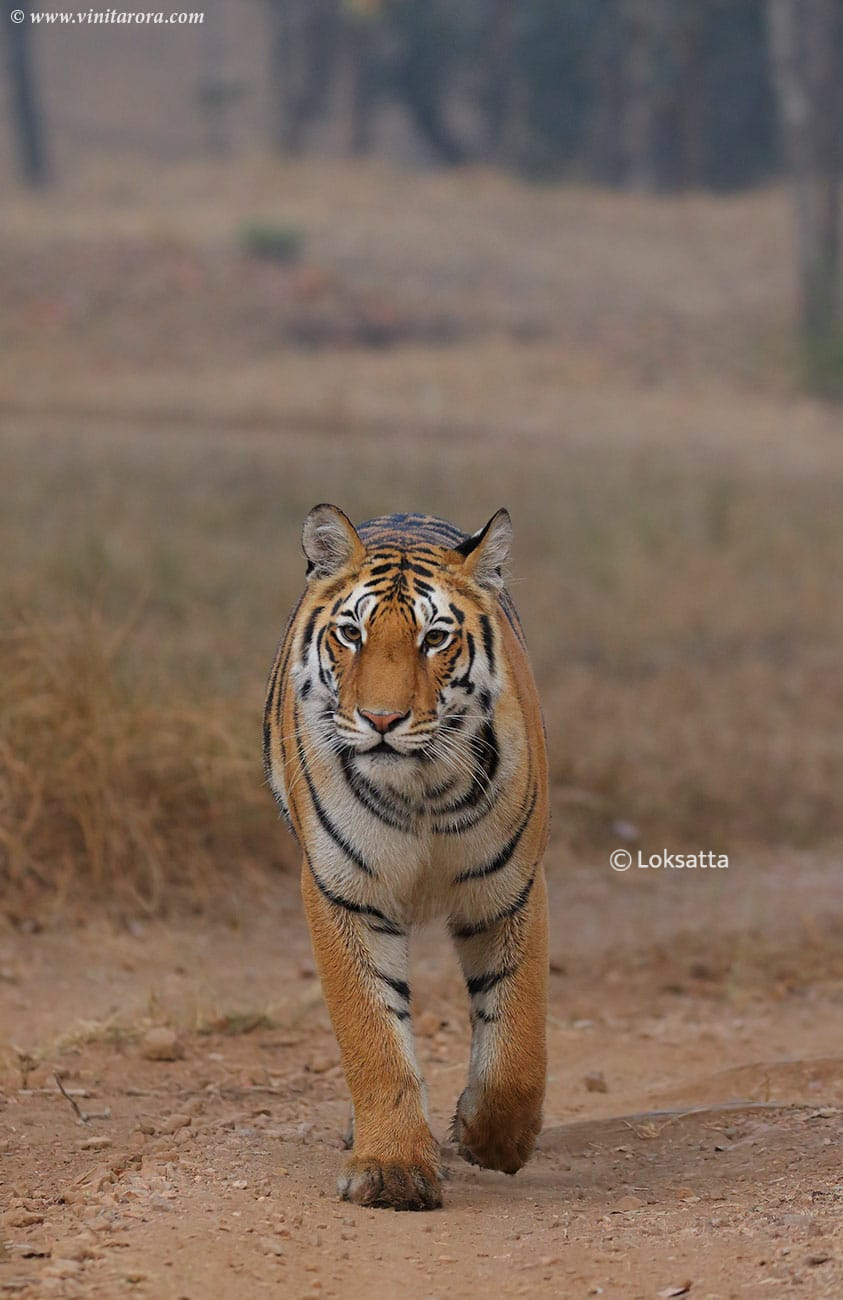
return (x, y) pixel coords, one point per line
(83, 1116)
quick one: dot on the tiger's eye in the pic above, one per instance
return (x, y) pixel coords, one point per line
(435, 638)
(349, 632)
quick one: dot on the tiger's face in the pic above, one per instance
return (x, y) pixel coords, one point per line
(398, 653)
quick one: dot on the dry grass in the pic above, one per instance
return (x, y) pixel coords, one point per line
(679, 538)
(139, 265)
(108, 779)
(679, 614)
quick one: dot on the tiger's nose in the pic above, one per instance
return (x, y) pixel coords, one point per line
(382, 722)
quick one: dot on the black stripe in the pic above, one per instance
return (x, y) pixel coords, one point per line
(281, 683)
(486, 1017)
(400, 1015)
(324, 677)
(511, 613)
(401, 987)
(488, 641)
(270, 692)
(377, 588)
(502, 858)
(359, 909)
(324, 820)
(307, 635)
(267, 741)
(477, 796)
(465, 681)
(480, 927)
(425, 528)
(279, 668)
(367, 793)
(276, 689)
(438, 790)
(488, 739)
(483, 983)
(469, 813)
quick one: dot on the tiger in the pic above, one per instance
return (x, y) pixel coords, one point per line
(405, 747)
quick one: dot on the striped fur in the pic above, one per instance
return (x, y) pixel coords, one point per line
(404, 744)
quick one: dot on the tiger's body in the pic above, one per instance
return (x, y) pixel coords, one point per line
(404, 744)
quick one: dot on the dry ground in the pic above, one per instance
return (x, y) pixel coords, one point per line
(710, 1162)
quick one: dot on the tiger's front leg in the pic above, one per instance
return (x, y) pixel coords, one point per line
(363, 966)
(499, 1114)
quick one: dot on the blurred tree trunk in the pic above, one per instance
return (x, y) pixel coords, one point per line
(691, 106)
(424, 75)
(303, 40)
(25, 109)
(359, 36)
(500, 93)
(640, 20)
(285, 72)
(806, 49)
(213, 91)
(606, 76)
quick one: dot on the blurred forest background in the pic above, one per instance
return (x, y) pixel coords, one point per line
(652, 95)
(579, 258)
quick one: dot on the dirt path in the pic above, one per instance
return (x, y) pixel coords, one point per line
(709, 1166)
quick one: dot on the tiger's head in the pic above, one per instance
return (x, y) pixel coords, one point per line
(398, 653)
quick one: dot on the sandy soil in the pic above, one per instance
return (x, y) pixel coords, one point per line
(692, 1123)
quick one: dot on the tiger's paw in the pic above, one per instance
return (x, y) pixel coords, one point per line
(495, 1137)
(390, 1186)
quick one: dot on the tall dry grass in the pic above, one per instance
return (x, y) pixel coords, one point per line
(108, 782)
(680, 609)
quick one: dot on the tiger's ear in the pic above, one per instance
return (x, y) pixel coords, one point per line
(487, 551)
(330, 542)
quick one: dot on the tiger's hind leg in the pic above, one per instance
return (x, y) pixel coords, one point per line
(499, 1114)
(395, 1158)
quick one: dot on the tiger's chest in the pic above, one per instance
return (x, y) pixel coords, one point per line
(412, 841)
